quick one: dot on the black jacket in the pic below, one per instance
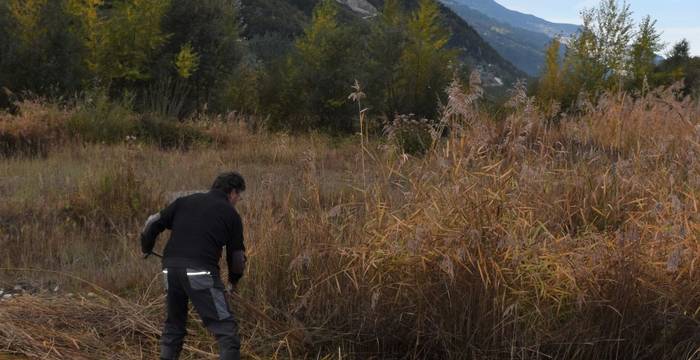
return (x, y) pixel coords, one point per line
(202, 224)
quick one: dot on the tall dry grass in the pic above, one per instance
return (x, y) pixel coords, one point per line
(523, 239)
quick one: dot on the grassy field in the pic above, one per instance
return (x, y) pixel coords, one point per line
(517, 238)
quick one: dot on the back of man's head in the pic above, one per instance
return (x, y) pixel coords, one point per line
(229, 182)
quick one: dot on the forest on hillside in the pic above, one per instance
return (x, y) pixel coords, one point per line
(174, 58)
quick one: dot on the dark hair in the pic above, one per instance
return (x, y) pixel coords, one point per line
(228, 182)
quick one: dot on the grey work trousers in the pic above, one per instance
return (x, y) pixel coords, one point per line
(206, 292)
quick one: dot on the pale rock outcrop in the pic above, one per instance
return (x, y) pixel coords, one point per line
(360, 6)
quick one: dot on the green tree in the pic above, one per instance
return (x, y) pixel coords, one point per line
(692, 78)
(425, 61)
(646, 45)
(212, 29)
(385, 46)
(5, 49)
(38, 52)
(597, 57)
(88, 28)
(319, 74)
(584, 72)
(122, 38)
(132, 36)
(680, 51)
(613, 29)
(248, 85)
(678, 58)
(680, 66)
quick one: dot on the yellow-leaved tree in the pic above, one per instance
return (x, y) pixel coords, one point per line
(27, 15)
(88, 28)
(186, 61)
(550, 87)
(120, 40)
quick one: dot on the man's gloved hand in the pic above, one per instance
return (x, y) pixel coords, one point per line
(233, 280)
(144, 248)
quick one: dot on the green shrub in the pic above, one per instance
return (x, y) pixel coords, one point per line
(410, 136)
(170, 134)
(101, 120)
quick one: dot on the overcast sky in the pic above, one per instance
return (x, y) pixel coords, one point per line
(677, 19)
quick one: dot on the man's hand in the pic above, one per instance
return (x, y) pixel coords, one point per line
(144, 247)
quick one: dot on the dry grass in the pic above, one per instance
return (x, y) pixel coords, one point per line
(35, 131)
(103, 325)
(522, 240)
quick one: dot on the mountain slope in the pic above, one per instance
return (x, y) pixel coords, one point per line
(520, 38)
(495, 69)
(517, 19)
(273, 24)
(524, 48)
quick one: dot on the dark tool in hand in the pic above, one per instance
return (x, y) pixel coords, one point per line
(145, 256)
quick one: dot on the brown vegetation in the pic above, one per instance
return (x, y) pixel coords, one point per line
(532, 238)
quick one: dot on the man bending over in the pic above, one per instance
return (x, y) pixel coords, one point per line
(202, 225)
